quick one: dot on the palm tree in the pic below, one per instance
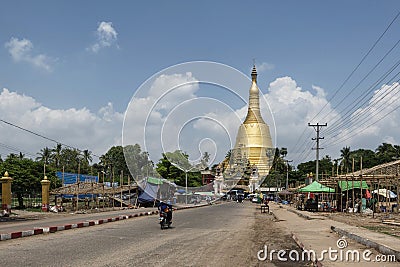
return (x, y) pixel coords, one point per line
(345, 154)
(206, 156)
(56, 155)
(283, 152)
(44, 155)
(87, 156)
(226, 161)
(104, 160)
(385, 152)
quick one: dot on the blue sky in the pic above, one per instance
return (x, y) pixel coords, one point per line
(315, 43)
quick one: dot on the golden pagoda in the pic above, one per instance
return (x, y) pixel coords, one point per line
(253, 141)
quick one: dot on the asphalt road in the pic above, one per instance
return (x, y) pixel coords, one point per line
(218, 235)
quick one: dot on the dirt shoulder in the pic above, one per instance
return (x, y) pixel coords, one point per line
(381, 222)
(269, 235)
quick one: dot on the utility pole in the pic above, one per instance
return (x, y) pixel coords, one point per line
(287, 173)
(317, 129)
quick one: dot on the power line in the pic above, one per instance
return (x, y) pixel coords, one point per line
(360, 131)
(296, 146)
(358, 65)
(363, 79)
(363, 116)
(365, 119)
(16, 149)
(42, 136)
(362, 101)
(305, 153)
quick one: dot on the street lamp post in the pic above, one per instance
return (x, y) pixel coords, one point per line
(186, 180)
(186, 177)
(287, 173)
(186, 191)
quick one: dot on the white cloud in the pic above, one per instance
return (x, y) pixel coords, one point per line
(376, 122)
(367, 127)
(171, 114)
(106, 36)
(155, 118)
(79, 128)
(264, 67)
(293, 108)
(21, 51)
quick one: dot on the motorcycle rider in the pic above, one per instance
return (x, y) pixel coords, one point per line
(167, 208)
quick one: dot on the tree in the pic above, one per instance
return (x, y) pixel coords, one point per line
(369, 158)
(169, 171)
(397, 151)
(56, 155)
(277, 173)
(86, 160)
(325, 166)
(138, 161)
(173, 165)
(345, 154)
(278, 164)
(205, 160)
(70, 159)
(226, 160)
(385, 153)
(26, 175)
(87, 156)
(283, 152)
(44, 155)
(206, 156)
(114, 161)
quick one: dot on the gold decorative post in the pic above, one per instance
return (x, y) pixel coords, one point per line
(45, 194)
(6, 192)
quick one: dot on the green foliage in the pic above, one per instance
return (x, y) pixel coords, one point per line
(345, 154)
(386, 153)
(325, 166)
(26, 175)
(44, 155)
(69, 159)
(138, 161)
(369, 159)
(172, 165)
(129, 160)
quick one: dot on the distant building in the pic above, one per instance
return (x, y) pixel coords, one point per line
(207, 177)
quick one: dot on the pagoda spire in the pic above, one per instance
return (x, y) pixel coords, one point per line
(253, 112)
(254, 74)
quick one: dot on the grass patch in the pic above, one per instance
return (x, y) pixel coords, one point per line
(381, 229)
(34, 209)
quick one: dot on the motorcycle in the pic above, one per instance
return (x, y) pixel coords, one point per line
(165, 222)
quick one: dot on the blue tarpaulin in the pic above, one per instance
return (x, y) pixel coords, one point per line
(149, 194)
(71, 178)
